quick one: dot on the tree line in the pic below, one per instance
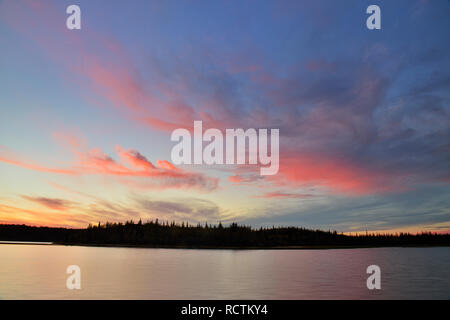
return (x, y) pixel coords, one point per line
(165, 234)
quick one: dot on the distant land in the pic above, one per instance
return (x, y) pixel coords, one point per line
(172, 235)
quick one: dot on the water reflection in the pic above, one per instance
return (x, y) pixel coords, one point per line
(39, 272)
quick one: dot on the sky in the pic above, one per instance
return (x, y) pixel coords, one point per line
(86, 115)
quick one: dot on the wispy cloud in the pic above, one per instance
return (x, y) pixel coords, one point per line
(94, 161)
(284, 195)
(51, 203)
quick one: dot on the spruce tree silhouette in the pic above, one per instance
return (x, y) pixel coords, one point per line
(157, 234)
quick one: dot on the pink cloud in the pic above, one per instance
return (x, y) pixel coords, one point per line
(336, 174)
(303, 169)
(7, 156)
(132, 165)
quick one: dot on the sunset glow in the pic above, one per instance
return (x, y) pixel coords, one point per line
(364, 121)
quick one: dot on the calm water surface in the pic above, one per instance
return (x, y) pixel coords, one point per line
(39, 272)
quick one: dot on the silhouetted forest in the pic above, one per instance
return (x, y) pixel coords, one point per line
(156, 234)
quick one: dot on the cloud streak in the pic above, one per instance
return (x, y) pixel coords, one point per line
(51, 203)
(94, 161)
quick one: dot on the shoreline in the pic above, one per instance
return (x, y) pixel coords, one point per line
(310, 247)
(34, 243)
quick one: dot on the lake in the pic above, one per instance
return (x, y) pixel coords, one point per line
(39, 272)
